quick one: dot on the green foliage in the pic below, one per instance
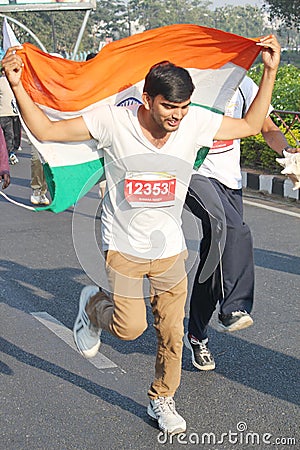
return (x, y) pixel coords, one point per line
(119, 18)
(242, 20)
(56, 30)
(285, 10)
(256, 154)
(291, 57)
(286, 93)
(156, 13)
(110, 20)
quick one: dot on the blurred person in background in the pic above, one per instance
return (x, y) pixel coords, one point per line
(38, 182)
(8, 111)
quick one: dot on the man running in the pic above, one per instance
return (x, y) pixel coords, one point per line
(149, 151)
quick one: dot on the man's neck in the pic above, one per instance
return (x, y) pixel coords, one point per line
(157, 136)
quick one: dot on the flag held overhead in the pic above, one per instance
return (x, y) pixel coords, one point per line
(216, 60)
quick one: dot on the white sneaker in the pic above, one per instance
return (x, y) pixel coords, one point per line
(13, 159)
(44, 200)
(35, 197)
(86, 335)
(163, 410)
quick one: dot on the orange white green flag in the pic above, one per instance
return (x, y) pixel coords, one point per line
(216, 60)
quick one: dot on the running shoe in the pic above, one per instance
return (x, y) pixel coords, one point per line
(13, 159)
(162, 409)
(86, 335)
(237, 320)
(201, 355)
(37, 198)
(44, 200)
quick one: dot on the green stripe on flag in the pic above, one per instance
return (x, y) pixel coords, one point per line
(210, 108)
(202, 152)
(67, 184)
(201, 155)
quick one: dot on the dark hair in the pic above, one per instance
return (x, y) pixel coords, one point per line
(174, 83)
(90, 56)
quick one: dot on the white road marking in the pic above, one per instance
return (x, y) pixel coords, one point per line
(100, 361)
(271, 208)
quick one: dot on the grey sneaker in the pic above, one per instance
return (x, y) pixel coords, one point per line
(201, 355)
(86, 335)
(237, 320)
(162, 409)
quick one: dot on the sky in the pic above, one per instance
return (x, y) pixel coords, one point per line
(218, 3)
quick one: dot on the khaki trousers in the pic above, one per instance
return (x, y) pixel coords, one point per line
(124, 315)
(38, 181)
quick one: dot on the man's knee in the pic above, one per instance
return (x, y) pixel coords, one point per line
(131, 331)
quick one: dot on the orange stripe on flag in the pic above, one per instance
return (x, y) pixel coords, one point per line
(72, 85)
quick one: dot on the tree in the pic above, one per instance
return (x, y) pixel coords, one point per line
(242, 20)
(286, 92)
(111, 19)
(56, 30)
(285, 10)
(149, 13)
(157, 13)
(115, 19)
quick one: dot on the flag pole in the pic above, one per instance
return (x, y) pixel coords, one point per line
(80, 34)
(27, 30)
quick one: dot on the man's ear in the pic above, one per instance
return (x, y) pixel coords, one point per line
(147, 101)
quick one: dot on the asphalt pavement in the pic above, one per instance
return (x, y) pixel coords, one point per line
(53, 398)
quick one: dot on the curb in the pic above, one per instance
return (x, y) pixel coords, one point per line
(271, 184)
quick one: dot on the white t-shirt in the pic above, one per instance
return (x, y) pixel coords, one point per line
(146, 186)
(223, 159)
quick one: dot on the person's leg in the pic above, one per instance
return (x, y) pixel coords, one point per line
(204, 203)
(4, 162)
(17, 133)
(6, 123)
(237, 264)
(168, 283)
(38, 182)
(123, 314)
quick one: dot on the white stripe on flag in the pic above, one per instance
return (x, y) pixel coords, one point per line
(9, 38)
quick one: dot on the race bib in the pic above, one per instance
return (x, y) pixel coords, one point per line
(221, 146)
(150, 189)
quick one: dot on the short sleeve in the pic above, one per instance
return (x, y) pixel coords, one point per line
(208, 123)
(99, 122)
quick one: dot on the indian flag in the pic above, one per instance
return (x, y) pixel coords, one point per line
(216, 60)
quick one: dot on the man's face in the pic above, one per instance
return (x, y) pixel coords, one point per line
(167, 115)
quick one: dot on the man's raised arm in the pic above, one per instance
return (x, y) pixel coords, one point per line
(38, 123)
(253, 121)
